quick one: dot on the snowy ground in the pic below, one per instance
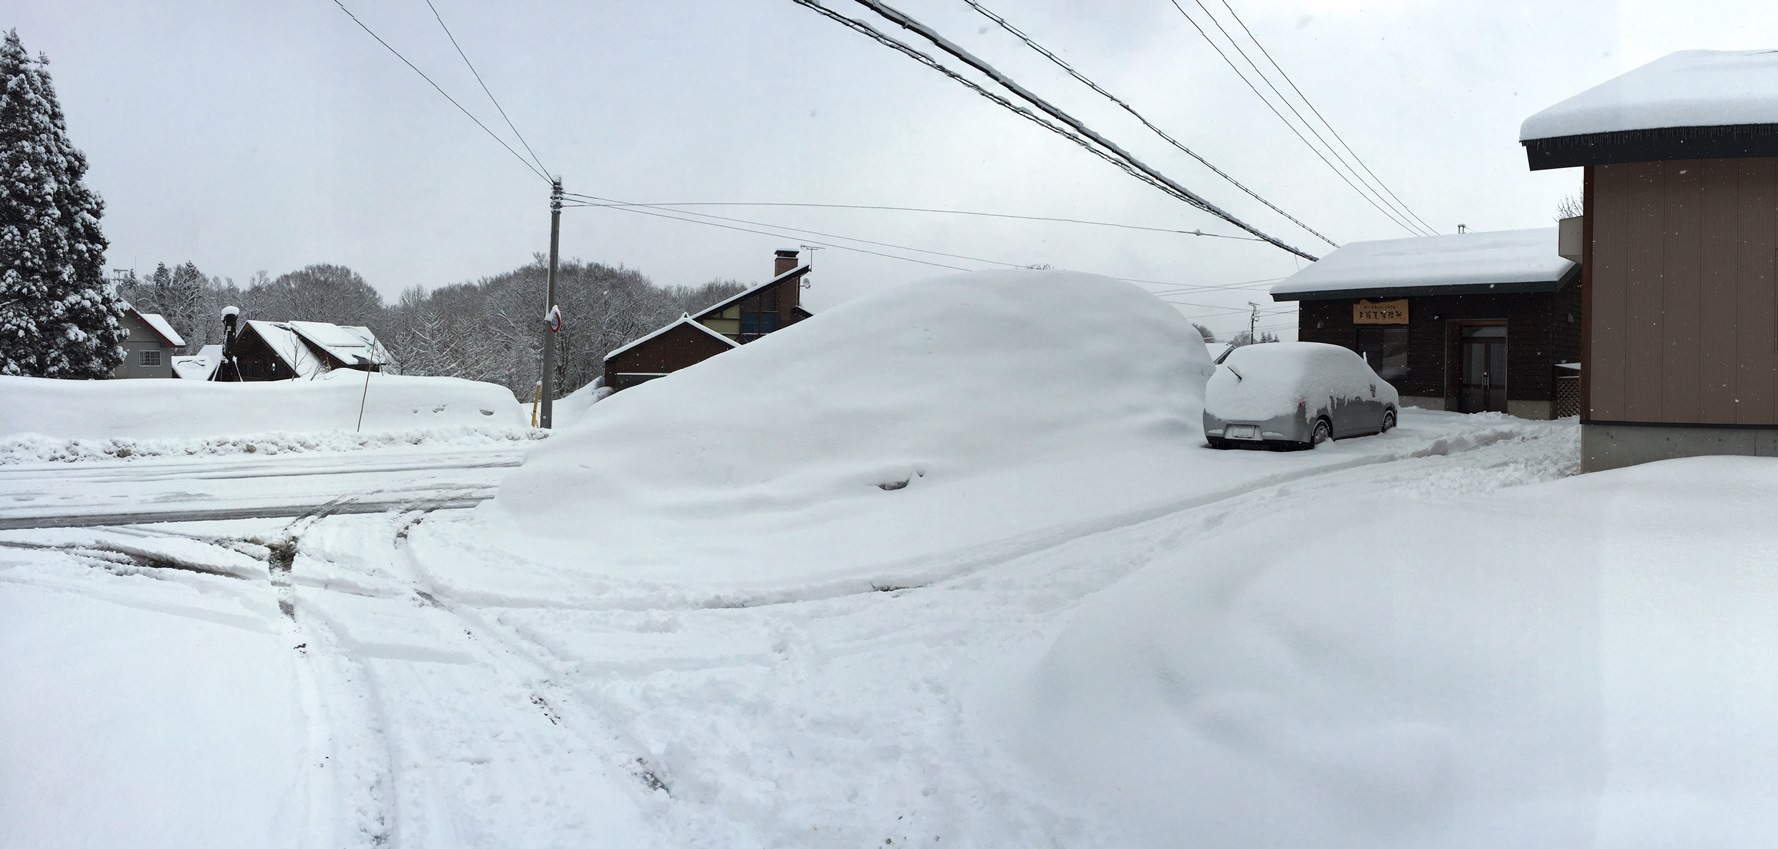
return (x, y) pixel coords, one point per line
(356, 698)
(957, 585)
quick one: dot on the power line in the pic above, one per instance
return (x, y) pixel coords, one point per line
(637, 211)
(953, 212)
(1406, 225)
(484, 85)
(1099, 147)
(606, 202)
(540, 175)
(1324, 121)
(1063, 64)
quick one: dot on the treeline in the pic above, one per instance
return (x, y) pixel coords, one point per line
(489, 330)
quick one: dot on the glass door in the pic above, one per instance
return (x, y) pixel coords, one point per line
(1482, 376)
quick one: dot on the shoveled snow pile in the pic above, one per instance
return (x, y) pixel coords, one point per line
(1581, 663)
(191, 410)
(882, 430)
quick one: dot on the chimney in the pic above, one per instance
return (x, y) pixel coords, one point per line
(785, 261)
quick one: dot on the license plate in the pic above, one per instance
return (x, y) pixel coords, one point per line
(1242, 432)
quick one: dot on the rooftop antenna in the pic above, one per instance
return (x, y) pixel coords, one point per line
(806, 282)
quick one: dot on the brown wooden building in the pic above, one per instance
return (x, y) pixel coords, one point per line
(285, 350)
(1680, 240)
(1472, 322)
(694, 338)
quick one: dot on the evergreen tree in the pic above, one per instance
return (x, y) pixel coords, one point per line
(59, 315)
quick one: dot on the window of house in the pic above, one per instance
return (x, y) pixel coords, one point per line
(151, 359)
(1385, 349)
(759, 316)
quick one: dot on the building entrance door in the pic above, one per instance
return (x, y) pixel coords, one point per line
(1482, 381)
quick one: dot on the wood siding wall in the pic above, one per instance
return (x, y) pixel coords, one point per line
(1539, 335)
(681, 347)
(1683, 326)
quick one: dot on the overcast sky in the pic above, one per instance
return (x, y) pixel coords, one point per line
(267, 136)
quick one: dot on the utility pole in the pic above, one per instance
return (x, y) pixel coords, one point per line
(1252, 323)
(549, 333)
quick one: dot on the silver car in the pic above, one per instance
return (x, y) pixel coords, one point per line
(1295, 395)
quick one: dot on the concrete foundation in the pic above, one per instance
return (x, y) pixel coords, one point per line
(1531, 409)
(1604, 446)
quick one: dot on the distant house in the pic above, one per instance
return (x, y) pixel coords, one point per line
(149, 344)
(761, 310)
(1679, 350)
(286, 350)
(1471, 322)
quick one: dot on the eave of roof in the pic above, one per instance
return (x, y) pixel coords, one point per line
(684, 318)
(1424, 290)
(1730, 141)
(161, 327)
(792, 274)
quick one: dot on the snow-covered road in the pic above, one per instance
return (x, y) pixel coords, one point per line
(184, 489)
(328, 688)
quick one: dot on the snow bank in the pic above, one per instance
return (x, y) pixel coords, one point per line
(1691, 88)
(35, 448)
(180, 409)
(1582, 663)
(869, 432)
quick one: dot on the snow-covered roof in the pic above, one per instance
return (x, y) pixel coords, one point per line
(160, 325)
(1503, 261)
(288, 346)
(684, 318)
(730, 301)
(343, 341)
(199, 366)
(1691, 88)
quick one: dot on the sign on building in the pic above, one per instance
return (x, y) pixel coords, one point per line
(1380, 312)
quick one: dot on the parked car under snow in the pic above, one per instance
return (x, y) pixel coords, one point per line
(1295, 395)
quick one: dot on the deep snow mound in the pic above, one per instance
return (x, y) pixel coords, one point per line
(883, 407)
(1580, 663)
(195, 410)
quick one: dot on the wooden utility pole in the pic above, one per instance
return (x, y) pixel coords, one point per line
(1252, 318)
(549, 332)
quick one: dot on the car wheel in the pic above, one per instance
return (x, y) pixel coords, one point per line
(1323, 432)
(1388, 421)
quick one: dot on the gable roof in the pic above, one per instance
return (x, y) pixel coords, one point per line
(685, 319)
(344, 342)
(1500, 262)
(1694, 104)
(792, 274)
(287, 346)
(159, 324)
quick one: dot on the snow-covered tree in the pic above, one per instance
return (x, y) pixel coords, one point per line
(59, 315)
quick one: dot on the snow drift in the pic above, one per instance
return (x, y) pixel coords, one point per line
(182, 409)
(875, 431)
(1415, 674)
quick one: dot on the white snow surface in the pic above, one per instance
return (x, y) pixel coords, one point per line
(1273, 376)
(1598, 672)
(43, 419)
(288, 346)
(343, 341)
(1080, 627)
(198, 366)
(906, 407)
(163, 327)
(1691, 88)
(1464, 259)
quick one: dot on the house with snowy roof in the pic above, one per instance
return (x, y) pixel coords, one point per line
(287, 350)
(1678, 237)
(149, 343)
(764, 309)
(1472, 322)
